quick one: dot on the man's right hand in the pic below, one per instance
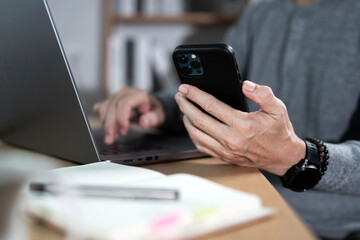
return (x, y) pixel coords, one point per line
(129, 105)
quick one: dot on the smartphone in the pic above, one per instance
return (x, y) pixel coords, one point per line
(213, 69)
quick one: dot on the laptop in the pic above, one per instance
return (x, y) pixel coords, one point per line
(40, 106)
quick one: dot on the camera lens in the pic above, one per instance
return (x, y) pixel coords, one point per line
(195, 64)
(183, 59)
(187, 70)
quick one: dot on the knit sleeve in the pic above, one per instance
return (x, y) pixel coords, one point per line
(343, 173)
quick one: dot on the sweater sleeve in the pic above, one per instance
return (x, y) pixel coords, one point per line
(343, 173)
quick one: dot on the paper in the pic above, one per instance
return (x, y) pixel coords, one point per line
(102, 173)
(203, 206)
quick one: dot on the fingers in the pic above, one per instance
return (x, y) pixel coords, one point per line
(110, 128)
(130, 104)
(145, 106)
(210, 104)
(264, 97)
(199, 119)
(107, 114)
(127, 106)
(203, 142)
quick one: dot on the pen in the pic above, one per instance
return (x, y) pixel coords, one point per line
(107, 191)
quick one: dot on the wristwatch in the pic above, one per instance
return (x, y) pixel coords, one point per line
(307, 173)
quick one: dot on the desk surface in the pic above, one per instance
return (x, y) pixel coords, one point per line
(285, 224)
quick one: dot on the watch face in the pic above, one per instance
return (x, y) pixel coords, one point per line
(305, 180)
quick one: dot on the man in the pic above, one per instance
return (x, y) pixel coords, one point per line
(308, 53)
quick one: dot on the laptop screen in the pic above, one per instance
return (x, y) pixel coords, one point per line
(39, 102)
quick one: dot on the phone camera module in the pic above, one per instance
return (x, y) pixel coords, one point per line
(187, 70)
(195, 64)
(190, 64)
(183, 59)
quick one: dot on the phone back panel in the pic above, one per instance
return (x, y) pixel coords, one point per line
(219, 75)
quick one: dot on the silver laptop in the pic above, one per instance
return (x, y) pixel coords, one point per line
(40, 108)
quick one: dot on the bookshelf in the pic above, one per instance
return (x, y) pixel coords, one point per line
(111, 19)
(199, 18)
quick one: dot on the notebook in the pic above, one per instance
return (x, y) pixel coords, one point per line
(202, 206)
(43, 108)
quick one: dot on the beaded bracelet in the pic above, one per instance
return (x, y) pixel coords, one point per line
(323, 153)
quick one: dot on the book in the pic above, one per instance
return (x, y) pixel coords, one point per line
(129, 61)
(141, 68)
(117, 63)
(202, 206)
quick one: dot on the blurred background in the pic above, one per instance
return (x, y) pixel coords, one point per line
(112, 43)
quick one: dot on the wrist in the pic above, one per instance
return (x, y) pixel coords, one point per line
(296, 152)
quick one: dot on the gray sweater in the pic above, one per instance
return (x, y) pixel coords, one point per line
(310, 57)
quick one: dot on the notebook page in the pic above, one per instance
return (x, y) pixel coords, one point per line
(203, 207)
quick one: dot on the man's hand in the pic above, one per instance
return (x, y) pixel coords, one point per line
(129, 105)
(263, 139)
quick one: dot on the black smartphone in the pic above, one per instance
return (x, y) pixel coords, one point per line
(213, 69)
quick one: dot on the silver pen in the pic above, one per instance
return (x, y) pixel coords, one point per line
(107, 191)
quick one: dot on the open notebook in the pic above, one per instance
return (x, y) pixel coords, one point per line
(203, 206)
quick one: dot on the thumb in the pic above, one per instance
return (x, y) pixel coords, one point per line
(263, 96)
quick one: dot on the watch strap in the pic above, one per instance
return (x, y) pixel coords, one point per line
(312, 154)
(308, 171)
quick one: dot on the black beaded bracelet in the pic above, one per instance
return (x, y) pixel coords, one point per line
(323, 153)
